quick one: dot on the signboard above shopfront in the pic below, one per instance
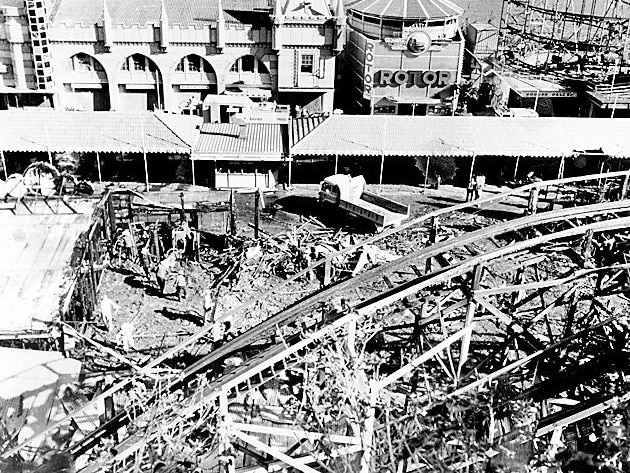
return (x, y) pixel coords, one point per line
(546, 93)
(412, 78)
(368, 70)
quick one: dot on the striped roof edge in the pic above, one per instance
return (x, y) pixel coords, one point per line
(303, 126)
(552, 137)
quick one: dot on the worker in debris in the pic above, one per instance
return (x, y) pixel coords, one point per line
(470, 189)
(107, 311)
(480, 183)
(163, 271)
(208, 307)
(180, 285)
(145, 259)
(125, 337)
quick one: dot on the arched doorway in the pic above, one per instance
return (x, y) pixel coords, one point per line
(193, 79)
(140, 84)
(85, 84)
(249, 76)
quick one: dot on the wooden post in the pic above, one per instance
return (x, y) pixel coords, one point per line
(4, 165)
(516, 166)
(98, 167)
(156, 240)
(433, 232)
(290, 170)
(470, 314)
(144, 155)
(624, 188)
(327, 271)
(48, 143)
(380, 178)
(561, 168)
(426, 174)
(232, 214)
(472, 167)
(367, 435)
(256, 212)
(532, 203)
(182, 213)
(192, 161)
(336, 163)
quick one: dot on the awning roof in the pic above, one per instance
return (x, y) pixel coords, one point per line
(532, 87)
(106, 132)
(220, 141)
(464, 136)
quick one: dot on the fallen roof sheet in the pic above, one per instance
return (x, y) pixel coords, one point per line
(35, 253)
(221, 141)
(45, 130)
(464, 136)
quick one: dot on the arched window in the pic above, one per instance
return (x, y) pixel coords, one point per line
(139, 62)
(194, 63)
(85, 63)
(249, 63)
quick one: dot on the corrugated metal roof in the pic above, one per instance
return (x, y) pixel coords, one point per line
(57, 131)
(300, 127)
(221, 141)
(145, 12)
(464, 136)
(406, 9)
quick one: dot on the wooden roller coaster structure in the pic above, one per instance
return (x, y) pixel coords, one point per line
(515, 303)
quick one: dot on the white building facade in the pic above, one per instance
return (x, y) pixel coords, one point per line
(159, 54)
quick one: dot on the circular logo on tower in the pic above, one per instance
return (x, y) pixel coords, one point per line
(418, 42)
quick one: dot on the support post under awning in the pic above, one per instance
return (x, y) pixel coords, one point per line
(380, 178)
(4, 165)
(98, 167)
(192, 160)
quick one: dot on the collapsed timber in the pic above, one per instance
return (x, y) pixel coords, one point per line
(450, 355)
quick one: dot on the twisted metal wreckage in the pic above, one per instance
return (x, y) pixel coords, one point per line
(470, 348)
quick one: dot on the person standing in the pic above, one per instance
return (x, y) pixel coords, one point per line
(480, 182)
(162, 273)
(470, 190)
(208, 307)
(180, 285)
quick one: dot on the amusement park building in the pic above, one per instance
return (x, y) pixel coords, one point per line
(403, 57)
(147, 54)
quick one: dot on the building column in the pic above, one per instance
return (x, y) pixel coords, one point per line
(169, 97)
(114, 95)
(16, 40)
(328, 101)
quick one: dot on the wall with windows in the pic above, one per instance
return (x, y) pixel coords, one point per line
(183, 64)
(182, 73)
(306, 65)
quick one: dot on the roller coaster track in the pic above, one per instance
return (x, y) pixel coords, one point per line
(269, 363)
(377, 288)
